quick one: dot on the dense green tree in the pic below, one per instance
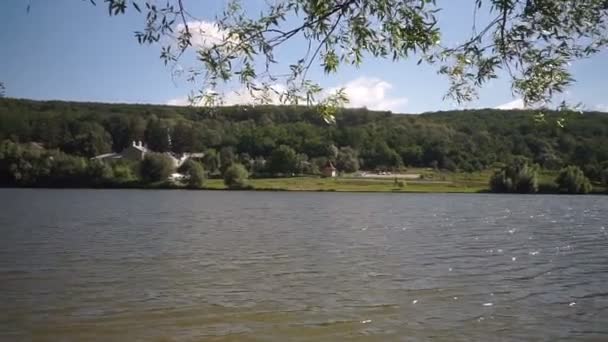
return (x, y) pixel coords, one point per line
(283, 160)
(87, 139)
(347, 160)
(572, 180)
(235, 176)
(156, 167)
(246, 160)
(332, 152)
(518, 177)
(27, 165)
(125, 171)
(185, 138)
(412, 155)
(458, 140)
(211, 160)
(259, 166)
(381, 156)
(158, 135)
(24, 166)
(303, 165)
(226, 157)
(194, 172)
(99, 173)
(124, 130)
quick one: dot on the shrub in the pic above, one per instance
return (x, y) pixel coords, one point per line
(195, 173)
(99, 173)
(283, 160)
(348, 160)
(518, 177)
(155, 167)
(235, 176)
(124, 171)
(572, 180)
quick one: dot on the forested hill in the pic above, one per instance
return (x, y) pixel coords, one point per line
(455, 140)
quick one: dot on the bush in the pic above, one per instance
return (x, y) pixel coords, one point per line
(155, 167)
(572, 180)
(518, 177)
(195, 173)
(124, 171)
(235, 176)
(348, 160)
(99, 173)
(283, 160)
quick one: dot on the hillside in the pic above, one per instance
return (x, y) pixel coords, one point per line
(464, 141)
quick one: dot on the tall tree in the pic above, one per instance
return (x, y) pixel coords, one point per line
(158, 135)
(155, 167)
(348, 160)
(283, 160)
(572, 180)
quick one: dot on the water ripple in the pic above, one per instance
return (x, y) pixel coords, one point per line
(153, 265)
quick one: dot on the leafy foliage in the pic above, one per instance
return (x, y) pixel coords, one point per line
(235, 176)
(347, 160)
(457, 140)
(518, 177)
(283, 160)
(572, 180)
(100, 173)
(533, 41)
(155, 167)
(195, 173)
(29, 165)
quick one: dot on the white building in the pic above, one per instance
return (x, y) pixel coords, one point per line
(137, 151)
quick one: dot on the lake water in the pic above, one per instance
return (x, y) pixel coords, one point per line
(129, 265)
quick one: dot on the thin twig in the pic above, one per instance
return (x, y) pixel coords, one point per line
(314, 55)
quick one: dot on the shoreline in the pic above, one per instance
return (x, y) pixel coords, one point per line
(182, 188)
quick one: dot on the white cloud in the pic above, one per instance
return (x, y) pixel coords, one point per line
(371, 93)
(205, 34)
(180, 101)
(601, 107)
(366, 92)
(515, 104)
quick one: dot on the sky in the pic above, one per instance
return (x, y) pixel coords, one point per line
(72, 50)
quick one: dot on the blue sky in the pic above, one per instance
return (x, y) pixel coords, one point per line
(71, 50)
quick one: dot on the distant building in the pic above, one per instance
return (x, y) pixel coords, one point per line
(137, 152)
(328, 170)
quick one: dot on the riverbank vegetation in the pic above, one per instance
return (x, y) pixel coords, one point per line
(285, 147)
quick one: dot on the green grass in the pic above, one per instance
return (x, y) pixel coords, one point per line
(432, 182)
(453, 183)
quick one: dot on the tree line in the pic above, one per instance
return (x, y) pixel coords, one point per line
(270, 141)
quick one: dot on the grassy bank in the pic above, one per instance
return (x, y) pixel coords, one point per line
(439, 183)
(349, 184)
(430, 182)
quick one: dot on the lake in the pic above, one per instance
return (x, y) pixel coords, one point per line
(136, 265)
